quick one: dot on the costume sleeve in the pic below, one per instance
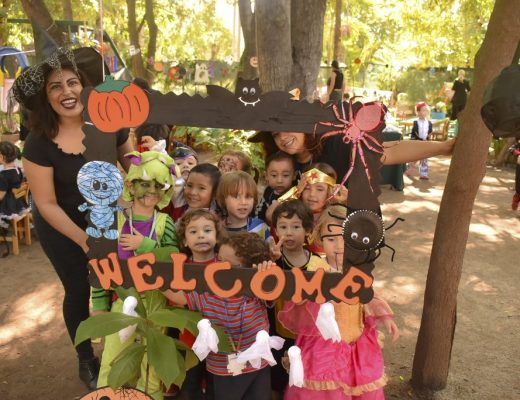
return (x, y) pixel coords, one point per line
(36, 149)
(4, 187)
(169, 243)
(147, 245)
(101, 299)
(430, 128)
(300, 318)
(194, 301)
(415, 130)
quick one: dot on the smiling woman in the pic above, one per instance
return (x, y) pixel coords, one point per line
(53, 156)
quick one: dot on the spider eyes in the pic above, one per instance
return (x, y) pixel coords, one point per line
(354, 235)
(366, 240)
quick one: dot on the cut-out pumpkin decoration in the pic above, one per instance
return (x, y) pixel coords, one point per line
(107, 393)
(114, 105)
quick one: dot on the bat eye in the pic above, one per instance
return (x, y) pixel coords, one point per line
(252, 91)
(366, 240)
(245, 90)
(354, 235)
(96, 185)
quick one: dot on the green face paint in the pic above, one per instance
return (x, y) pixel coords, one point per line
(143, 188)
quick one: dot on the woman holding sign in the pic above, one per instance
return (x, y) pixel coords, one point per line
(52, 157)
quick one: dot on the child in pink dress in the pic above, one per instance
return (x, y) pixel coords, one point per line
(352, 368)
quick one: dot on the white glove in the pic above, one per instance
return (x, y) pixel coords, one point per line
(327, 324)
(206, 341)
(129, 306)
(261, 348)
(296, 366)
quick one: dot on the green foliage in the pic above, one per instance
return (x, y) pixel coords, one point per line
(220, 140)
(163, 353)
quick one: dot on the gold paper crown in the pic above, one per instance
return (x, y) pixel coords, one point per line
(313, 176)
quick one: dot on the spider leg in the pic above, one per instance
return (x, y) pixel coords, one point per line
(393, 251)
(395, 222)
(363, 161)
(377, 149)
(353, 154)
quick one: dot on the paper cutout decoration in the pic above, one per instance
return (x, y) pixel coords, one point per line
(356, 131)
(296, 371)
(206, 341)
(261, 349)
(248, 91)
(327, 324)
(101, 184)
(114, 105)
(129, 306)
(201, 74)
(124, 393)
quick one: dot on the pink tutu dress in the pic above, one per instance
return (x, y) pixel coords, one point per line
(350, 369)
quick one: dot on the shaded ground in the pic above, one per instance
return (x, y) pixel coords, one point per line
(37, 360)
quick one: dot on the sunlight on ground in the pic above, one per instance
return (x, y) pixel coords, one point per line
(479, 285)
(29, 313)
(490, 234)
(400, 289)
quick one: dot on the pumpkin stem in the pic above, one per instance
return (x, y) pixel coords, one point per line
(112, 85)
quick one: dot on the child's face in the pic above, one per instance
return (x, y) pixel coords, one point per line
(280, 175)
(186, 164)
(241, 205)
(227, 253)
(290, 142)
(198, 191)
(200, 236)
(315, 196)
(423, 112)
(333, 244)
(146, 193)
(292, 232)
(229, 163)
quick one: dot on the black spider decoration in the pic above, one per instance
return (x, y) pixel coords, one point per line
(364, 234)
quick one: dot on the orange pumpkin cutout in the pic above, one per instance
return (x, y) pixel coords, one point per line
(114, 105)
(107, 393)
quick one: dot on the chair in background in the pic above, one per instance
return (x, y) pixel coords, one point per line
(20, 228)
(440, 130)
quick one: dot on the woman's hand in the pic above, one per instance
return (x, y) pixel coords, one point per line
(448, 146)
(131, 241)
(392, 329)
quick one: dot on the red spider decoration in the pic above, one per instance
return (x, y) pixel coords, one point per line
(367, 118)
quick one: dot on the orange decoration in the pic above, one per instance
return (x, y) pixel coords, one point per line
(114, 105)
(107, 393)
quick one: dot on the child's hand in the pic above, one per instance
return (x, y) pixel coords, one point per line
(392, 329)
(131, 241)
(302, 184)
(264, 266)
(148, 142)
(342, 195)
(270, 210)
(275, 249)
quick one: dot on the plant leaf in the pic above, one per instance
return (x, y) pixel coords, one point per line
(154, 300)
(171, 318)
(182, 370)
(105, 324)
(190, 360)
(162, 356)
(126, 368)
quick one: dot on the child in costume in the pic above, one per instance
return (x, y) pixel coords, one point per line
(293, 222)
(237, 196)
(11, 177)
(240, 317)
(515, 150)
(148, 185)
(350, 368)
(421, 130)
(280, 175)
(186, 159)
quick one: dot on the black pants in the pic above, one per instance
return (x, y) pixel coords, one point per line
(517, 179)
(252, 386)
(70, 263)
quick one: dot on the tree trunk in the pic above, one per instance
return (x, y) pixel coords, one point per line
(152, 30)
(248, 24)
(138, 69)
(47, 35)
(273, 42)
(67, 9)
(307, 19)
(434, 344)
(337, 29)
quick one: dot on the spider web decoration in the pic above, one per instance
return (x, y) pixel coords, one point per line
(123, 393)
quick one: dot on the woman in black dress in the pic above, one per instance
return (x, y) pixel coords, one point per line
(461, 89)
(52, 157)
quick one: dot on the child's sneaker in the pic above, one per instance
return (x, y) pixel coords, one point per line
(516, 200)
(424, 177)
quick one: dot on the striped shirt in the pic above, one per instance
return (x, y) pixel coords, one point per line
(254, 225)
(240, 317)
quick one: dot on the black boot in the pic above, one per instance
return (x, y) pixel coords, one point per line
(89, 371)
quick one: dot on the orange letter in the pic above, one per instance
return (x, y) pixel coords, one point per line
(209, 275)
(178, 282)
(348, 282)
(107, 273)
(138, 272)
(258, 281)
(303, 285)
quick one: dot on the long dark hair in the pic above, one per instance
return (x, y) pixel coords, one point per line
(312, 143)
(43, 119)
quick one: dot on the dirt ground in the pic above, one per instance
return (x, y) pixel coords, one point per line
(38, 362)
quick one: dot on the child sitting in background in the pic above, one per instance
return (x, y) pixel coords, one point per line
(237, 196)
(421, 130)
(352, 368)
(280, 175)
(240, 317)
(11, 177)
